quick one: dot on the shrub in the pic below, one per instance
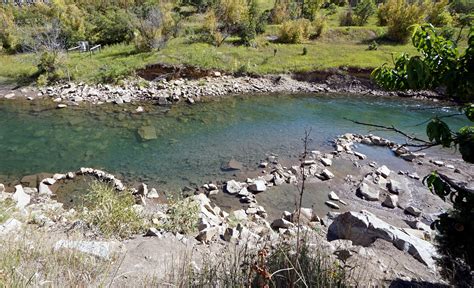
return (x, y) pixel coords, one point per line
(294, 31)
(400, 17)
(211, 33)
(347, 18)
(319, 25)
(462, 6)
(332, 9)
(111, 27)
(182, 216)
(438, 14)
(154, 28)
(111, 212)
(310, 8)
(363, 11)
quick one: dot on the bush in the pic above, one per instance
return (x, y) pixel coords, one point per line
(319, 25)
(347, 18)
(462, 6)
(438, 14)
(111, 212)
(400, 17)
(332, 9)
(294, 31)
(182, 216)
(363, 11)
(310, 9)
(111, 27)
(154, 28)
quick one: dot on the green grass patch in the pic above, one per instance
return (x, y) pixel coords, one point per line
(112, 212)
(182, 216)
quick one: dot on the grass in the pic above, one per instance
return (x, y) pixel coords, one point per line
(338, 47)
(182, 216)
(112, 212)
(6, 209)
(30, 260)
(245, 267)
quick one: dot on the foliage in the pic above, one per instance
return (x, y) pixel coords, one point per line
(440, 64)
(6, 209)
(182, 216)
(310, 8)
(346, 18)
(373, 46)
(28, 260)
(294, 31)
(111, 212)
(401, 15)
(154, 28)
(318, 26)
(438, 14)
(462, 6)
(112, 26)
(363, 11)
(283, 11)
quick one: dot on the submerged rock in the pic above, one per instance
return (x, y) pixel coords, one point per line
(147, 133)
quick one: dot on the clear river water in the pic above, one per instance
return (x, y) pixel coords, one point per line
(193, 142)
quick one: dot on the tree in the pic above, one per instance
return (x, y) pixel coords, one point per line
(440, 64)
(363, 11)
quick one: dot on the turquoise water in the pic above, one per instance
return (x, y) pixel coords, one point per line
(192, 141)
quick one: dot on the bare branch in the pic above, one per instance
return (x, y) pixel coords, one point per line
(391, 128)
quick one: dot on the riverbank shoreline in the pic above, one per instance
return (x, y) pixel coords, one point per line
(173, 86)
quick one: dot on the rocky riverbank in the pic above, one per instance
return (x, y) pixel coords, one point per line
(166, 92)
(377, 214)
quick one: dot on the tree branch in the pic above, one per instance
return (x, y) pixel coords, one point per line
(391, 128)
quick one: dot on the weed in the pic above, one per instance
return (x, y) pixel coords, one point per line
(6, 209)
(182, 216)
(111, 212)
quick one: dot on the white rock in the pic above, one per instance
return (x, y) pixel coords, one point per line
(333, 196)
(44, 189)
(99, 249)
(326, 174)
(368, 191)
(11, 225)
(60, 106)
(257, 186)
(20, 197)
(139, 109)
(326, 161)
(332, 204)
(384, 171)
(364, 228)
(207, 234)
(153, 194)
(49, 181)
(233, 187)
(2, 188)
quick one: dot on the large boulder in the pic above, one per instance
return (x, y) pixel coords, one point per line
(363, 228)
(147, 133)
(396, 187)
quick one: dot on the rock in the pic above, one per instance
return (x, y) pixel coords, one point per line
(139, 109)
(364, 228)
(11, 225)
(384, 171)
(413, 211)
(281, 223)
(147, 133)
(70, 175)
(309, 162)
(233, 187)
(257, 186)
(207, 234)
(438, 163)
(414, 175)
(239, 215)
(263, 164)
(326, 161)
(153, 194)
(44, 189)
(368, 191)
(233, 165)
(2, 188)
(153, 232)
(278, 180)
(9, 95)
(333, 196)
(142, 190)
(391, 201)
(360, 155)
(20, 197)
(326, 174)
(231, 234)
(60, 106)
(58, 176)
(396, 187)
(419, 226)
(244, 192)
(49, 181)
(99, 249)
(29, 181)
(332, 204)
